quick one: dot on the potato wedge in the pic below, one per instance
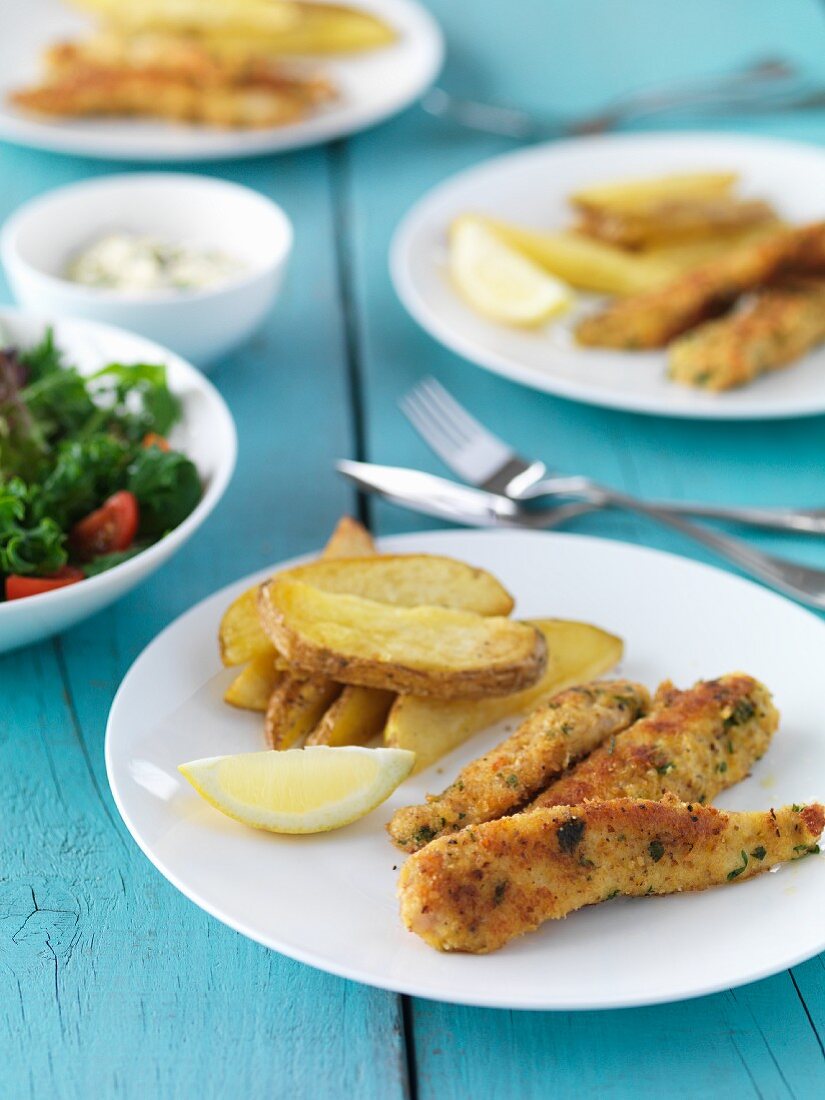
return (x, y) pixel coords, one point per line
(422, 650)
(431, 728)
(253, 686)
(408, 580)
(673, 220)
(188, 15)
(241, 636)
(685, 255)
(250, 26)
(350, 539)
(295, 707)
(583, 262)
(634, 193)
(355, 718)
(298, 703)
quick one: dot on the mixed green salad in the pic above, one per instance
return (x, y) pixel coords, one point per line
(87, 478)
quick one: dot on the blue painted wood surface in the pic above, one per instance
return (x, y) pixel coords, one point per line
(111, 984)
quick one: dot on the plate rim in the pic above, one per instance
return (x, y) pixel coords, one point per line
(29, 133)
(410, 227)
(398, 543)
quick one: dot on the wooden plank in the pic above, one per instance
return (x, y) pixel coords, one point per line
(748, 1042)
(120, 985)
(759, 1040)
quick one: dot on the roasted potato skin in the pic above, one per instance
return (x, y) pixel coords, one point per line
(295, 707)
(675, 220)
(408, 580)
(355, 718)
(577, 653)
(406, 650)
(481, 888)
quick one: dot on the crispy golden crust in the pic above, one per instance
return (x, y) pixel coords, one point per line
(98, 93)
(782, 324)
(692, 745)
(809, 257)
(558, 733)
(652, 319)
(174, 78)
(489, 883)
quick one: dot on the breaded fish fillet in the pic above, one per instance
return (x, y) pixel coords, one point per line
(652, 319)
(782, 324)
(563, 730)
(490, 883)
(170, 79)
(692, 745)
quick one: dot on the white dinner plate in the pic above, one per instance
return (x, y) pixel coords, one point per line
(531, 188)
(373, 86)
(329, 900)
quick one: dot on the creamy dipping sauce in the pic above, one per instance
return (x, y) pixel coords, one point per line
(136, 263)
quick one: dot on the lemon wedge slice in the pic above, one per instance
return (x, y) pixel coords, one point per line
(301, 790)
(499, 282)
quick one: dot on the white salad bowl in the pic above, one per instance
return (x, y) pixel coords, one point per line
(42, 236)
(205, 433)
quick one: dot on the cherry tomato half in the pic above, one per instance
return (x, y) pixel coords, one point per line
(111, 527)
(17, 587)
(152, 439)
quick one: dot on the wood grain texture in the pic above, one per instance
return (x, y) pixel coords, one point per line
(111, 984)
(765, 1039)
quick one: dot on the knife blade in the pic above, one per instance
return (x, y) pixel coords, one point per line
(435, 496)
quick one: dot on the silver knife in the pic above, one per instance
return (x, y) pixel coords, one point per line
(444, 499)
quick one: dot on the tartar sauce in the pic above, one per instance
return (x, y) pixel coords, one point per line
(136, 263)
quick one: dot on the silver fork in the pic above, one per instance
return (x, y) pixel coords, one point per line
(462, 448)
(771, 84)
(481, 458)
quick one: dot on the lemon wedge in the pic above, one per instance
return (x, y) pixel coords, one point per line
(301, 790)
(498, 281)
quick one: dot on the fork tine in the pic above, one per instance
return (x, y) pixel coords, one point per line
(444, 400)
(445, 444)
(432, 410)
(458, 439)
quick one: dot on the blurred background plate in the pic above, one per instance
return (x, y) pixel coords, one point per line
(530, 188)
(373, 86)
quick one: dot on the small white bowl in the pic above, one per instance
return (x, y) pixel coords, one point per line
(40, 238)
(206, 433)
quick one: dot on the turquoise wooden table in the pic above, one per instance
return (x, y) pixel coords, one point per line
(111, 984)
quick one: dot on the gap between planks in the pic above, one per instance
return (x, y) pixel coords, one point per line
(342, 219)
